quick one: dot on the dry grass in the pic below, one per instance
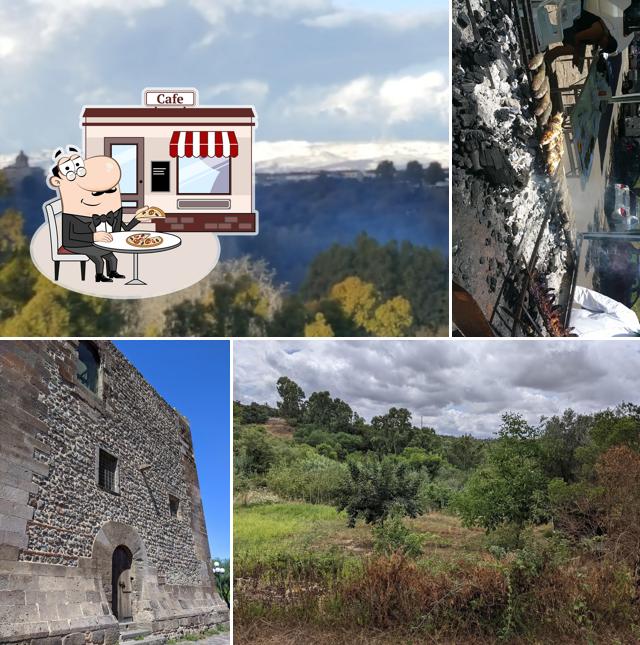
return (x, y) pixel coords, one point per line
(279, 428)
(320, 582)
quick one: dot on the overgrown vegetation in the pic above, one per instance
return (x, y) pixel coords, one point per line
(348, 531)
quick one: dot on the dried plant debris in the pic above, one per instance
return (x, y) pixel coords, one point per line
(544, 298)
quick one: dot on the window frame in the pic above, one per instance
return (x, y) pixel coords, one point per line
(116, 475)
(95, 352)
(179, 192)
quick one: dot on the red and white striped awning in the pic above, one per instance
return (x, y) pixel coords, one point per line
(204, 144)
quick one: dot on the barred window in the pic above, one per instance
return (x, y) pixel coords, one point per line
(88, 365)
(107, 471)
(174, 505)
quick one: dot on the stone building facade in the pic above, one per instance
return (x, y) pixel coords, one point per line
(102, 532)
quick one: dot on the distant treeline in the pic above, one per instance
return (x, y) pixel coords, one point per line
(360, 288)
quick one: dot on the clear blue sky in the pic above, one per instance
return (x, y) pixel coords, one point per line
(193, 376)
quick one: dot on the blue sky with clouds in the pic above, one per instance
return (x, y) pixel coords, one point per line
(316, 70)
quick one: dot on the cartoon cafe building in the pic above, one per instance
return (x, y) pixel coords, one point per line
(195, 163)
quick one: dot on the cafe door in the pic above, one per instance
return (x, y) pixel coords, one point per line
(121, 588)
(129, 153)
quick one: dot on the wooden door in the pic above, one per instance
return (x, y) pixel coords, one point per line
(121, 588)
(124, 596)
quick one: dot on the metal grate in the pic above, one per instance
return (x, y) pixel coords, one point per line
(107, 468)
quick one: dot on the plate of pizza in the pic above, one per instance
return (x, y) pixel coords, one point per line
(144, 240)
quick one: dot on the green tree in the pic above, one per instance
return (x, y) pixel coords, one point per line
(391, 432)
(292, 398)
(510, 488)
(319, 409)
(422, 460)
(253, 451)
(464, 452)
(12, 238)
(376, 487)
(562, 438)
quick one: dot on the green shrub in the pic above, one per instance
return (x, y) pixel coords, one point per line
(314, 479)
(394, 537)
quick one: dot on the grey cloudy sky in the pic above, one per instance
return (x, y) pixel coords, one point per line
(316, 70)
(457, 386)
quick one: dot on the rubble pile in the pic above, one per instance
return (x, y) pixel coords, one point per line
(501, 183)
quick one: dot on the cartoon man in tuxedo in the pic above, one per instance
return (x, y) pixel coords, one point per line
(91, 206)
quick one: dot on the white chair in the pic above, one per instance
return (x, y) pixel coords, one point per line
(58, 252)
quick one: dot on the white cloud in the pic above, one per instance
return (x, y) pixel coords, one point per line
(380, 101)
(413, 97)
(7, 46)
(400, 21)
(34, 25)
(454, 386)
(247, 91)
(214, 11)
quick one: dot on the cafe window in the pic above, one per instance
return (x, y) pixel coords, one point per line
(204, 175)
(88, 365)
(174, 506)
(107, 471)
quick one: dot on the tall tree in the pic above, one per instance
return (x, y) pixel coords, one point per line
(391, 432)
(511, 487)
(292, 404)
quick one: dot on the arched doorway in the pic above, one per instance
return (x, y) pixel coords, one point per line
(121, 587)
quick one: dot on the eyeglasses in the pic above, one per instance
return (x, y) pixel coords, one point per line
(72, 168)
(80, 172)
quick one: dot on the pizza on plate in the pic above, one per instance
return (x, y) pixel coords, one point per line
(144, 240)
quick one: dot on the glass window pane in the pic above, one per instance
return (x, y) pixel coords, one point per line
(127, 156)
(87, 366)
(107, 467)
(203, 175)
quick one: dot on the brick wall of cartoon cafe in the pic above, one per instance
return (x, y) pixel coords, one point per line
(195, 163)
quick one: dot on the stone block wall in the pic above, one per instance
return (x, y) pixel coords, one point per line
(58, 527)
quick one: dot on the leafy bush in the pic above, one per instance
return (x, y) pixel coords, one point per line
(394, 537)
(375, 487)
(314, 479)
(434, 496)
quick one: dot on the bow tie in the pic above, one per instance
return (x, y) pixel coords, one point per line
(99, 219)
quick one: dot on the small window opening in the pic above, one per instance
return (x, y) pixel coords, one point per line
(88, 365)
(174, 505)
(108, 471)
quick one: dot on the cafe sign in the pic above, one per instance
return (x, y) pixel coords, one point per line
(171, 98)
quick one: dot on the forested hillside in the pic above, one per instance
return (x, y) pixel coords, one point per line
(326, 263)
